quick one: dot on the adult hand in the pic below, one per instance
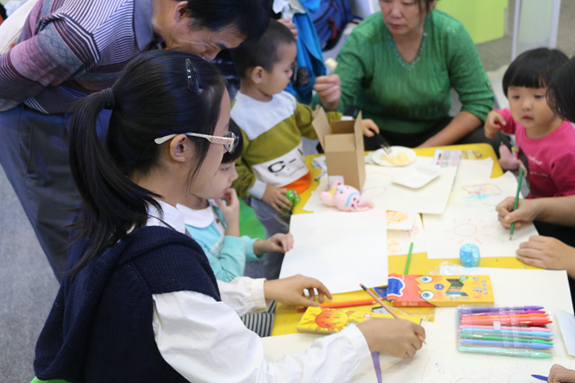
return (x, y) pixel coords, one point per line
(493, 123)
(369, 127)
(527, 211)
(277, 243)
(275, 197)
(291, 291)
(547, 253)
(328, 90)
(230, 211)
(396, 337)
(288, 23)
(559, 374)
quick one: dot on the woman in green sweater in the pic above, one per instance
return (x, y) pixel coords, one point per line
(399, 70)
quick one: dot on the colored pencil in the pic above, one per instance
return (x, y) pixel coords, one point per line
(336, 305)
(516, 202)
(408, 259)
(386, 307)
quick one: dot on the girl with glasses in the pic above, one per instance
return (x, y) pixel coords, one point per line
(139, 301)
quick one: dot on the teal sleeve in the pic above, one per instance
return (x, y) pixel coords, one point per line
(250, 255)
(231, 261)
(467, 75)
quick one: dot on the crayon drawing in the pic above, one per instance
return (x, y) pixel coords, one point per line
(398, 241)
(470, 230)
(395, 217)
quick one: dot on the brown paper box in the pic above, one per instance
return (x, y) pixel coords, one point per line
(342, 143)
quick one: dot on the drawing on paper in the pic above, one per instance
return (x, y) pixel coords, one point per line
(513, 372)
(395, 217)
(393, 246)
(468, 230)
(480, 193)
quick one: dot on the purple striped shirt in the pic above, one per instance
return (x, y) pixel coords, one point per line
(71, 48)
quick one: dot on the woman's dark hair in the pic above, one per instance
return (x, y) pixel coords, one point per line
(263, 52)
(249, 17)
(151, 98)
(533, 68)
(561, 91)
(426, 3)
(229, 157)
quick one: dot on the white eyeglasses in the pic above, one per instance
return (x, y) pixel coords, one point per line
(230, 140)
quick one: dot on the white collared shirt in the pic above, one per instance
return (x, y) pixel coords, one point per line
(206, 341)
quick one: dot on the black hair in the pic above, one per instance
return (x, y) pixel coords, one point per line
(249, 17)
(152, 99)
(230, 157)
(533, 68)
(263, 52)
(427, 4)
(561, 91)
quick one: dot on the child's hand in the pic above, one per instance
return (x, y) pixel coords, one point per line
(560, 374)
(275, 197)
(230, 211)
(547, 253)
(328, 90)
(527, 211)
(396, 337)
(290, 291)
(278, 243)
(369, 127)
(493, 124)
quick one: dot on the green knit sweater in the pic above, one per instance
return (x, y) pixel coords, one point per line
(412, 98)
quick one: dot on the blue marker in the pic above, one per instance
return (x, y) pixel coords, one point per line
(540, 377)
(476, 342)
(532, 333)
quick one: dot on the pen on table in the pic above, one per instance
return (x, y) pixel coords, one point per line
(341, 304)
(505, 351)
(516, 202)
(483, 309)
(408, 259)
(532, 333)
(506, 338)
(544, 329)
(540, 377)
(477, 342)
(538, 312)
(386, 307)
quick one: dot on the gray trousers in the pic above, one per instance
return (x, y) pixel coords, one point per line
(34, 155)
(274, 223)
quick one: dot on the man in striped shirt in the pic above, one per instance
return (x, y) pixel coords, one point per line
(71, 48)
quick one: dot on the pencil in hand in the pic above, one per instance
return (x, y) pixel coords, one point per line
(516, 202)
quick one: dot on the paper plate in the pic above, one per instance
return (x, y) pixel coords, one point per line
(378, 158)
(420, 176)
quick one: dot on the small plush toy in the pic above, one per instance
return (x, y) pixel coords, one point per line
(345, 198)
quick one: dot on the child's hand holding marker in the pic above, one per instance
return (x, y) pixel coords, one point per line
(275, 197)
(559, 374)
(493, 123)
(395, 337)
(278, 243)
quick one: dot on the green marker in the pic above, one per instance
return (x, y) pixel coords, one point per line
(505, 338)
(516, 202)
(408, 259)
(505, 351)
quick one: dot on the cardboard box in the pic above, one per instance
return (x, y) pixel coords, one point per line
(342, 143)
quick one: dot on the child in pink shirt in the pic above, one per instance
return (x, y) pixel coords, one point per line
(546, 142)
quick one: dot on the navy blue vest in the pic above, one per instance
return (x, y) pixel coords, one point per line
(100, 327)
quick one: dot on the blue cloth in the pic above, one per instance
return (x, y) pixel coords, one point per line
(309, 55)
(227, 254)
(100, 327)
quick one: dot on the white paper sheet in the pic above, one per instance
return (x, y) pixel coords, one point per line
(399, 241)
(439, 360)
(470, 217)
(567, 325)
(340, 249)
(398, 220)
(472, 170)
(378, 188)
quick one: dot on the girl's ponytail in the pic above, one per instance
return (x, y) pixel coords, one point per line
(112, 203)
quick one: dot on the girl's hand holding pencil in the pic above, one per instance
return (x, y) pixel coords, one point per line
(526, 212)
(559, 374)
(493, 124)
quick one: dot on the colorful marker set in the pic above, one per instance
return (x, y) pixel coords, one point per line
(511, 331)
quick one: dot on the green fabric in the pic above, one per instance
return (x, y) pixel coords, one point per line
(411, 98)
(249, 223)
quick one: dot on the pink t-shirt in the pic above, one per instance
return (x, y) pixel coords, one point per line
(550, 160)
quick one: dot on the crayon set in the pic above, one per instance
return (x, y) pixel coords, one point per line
(511, 331)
